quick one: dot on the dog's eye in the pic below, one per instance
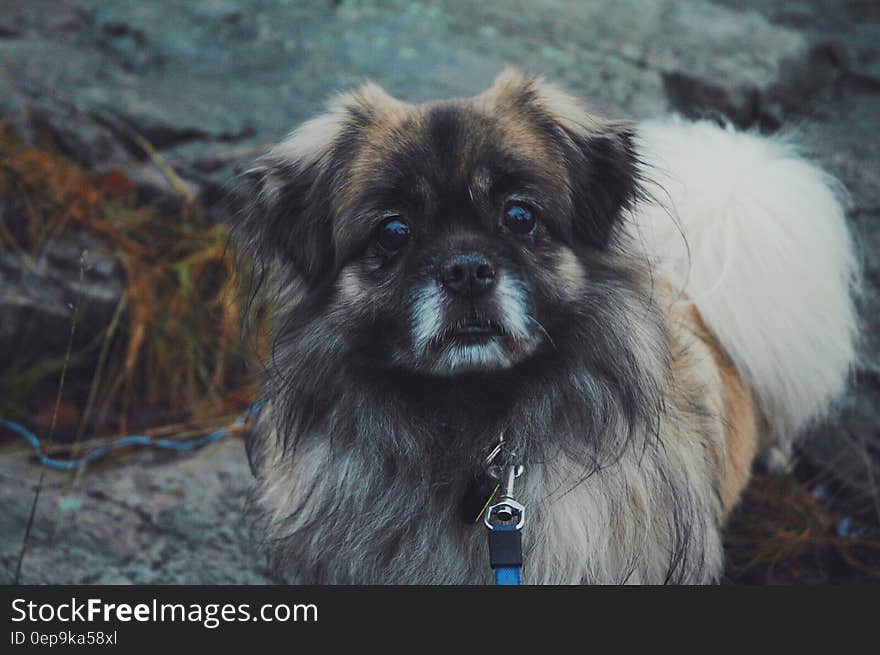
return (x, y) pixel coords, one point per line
(519, 218)
(393, 233)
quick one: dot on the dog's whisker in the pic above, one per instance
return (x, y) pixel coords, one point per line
(543, 330)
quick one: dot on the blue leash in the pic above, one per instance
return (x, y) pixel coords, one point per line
(103, 451)
(508, 575)
(505, 554)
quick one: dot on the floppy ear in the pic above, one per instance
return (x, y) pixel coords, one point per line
(604, 175)
(289, 215)
(287, 219)
(600, 155)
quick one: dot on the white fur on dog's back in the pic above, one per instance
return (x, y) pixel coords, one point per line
(756, 238)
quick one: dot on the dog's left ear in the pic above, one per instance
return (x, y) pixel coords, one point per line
(604, 175)
(600, 154)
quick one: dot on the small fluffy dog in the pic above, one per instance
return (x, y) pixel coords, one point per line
(639, 309)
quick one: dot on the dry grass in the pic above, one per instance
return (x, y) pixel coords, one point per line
(784, 532)
(173, 344)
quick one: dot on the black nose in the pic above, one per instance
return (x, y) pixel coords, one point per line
(469, 274)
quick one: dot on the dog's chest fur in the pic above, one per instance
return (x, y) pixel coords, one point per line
(610, 498)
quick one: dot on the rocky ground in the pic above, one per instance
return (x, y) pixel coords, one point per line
(205, 85)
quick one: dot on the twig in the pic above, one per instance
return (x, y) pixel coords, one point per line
(30, 523)
(74, 479)
(161, 163)
(99, 370)
(164, 167)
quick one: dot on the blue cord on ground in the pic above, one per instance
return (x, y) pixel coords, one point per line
(103, 451)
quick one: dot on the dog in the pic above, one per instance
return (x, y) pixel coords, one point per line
(634, 312)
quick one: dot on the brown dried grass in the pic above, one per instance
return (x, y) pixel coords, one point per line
(177, 347)
(784, 533)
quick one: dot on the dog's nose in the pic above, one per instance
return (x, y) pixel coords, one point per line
(469, 274)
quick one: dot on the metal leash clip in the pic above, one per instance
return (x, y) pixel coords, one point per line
(505, 519)
(506, 512)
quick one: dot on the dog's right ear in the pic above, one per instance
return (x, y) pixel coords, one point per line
(289, 212)
(287, 217)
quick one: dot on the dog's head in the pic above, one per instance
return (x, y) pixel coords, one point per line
(447, 237)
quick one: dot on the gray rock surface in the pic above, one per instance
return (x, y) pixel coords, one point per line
(194, 77)
(209, 83)
(152, 519)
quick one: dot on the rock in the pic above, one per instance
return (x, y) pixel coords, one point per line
(853, 24)
(246, 71)
(9, 29)
(763, 102)
(98, 142)
(152, 519)
(38, 296)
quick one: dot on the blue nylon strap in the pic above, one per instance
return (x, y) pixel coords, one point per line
(507, 575)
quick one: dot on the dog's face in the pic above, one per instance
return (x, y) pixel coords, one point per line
(450, 237)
